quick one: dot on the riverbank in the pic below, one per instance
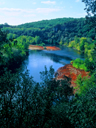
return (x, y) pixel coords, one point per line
(71, 72)
(35, 47)
(49, 48)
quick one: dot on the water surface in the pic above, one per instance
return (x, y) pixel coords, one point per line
(37, 60)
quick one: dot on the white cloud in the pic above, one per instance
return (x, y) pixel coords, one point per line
(34, 2)
(48, 2)
(10, 9)
(46, 10)
(14, 13)
(28, 11)
(16, 10)
(15, 16)
(77, 0)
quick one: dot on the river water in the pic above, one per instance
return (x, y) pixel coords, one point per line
(37, 60)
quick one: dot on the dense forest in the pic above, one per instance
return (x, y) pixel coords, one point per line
(51, 31)
(49, 104)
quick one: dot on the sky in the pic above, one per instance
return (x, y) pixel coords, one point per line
(15, 12)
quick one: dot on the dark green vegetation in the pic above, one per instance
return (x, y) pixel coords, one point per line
(56, 31)
(24, 103)
(27, 104)
(12, 51)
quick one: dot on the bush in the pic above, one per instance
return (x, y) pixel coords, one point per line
(78, 63)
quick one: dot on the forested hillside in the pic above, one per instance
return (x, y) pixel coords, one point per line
(51, 31)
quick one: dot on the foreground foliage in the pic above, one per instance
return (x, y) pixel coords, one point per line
(25, 103)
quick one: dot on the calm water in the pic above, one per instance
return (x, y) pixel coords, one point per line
(37, 60)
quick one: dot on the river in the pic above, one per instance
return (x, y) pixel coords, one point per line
(37, 60)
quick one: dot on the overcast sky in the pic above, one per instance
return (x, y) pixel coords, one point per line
(16, 12)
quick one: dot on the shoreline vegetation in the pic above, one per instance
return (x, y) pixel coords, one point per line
(86, 47)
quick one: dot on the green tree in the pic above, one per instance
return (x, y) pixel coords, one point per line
(37, 39)
(77, 40)
(91, 15)
(25, 103)
(82, 110)
(82, 43)
(91, 11)
(3, 38)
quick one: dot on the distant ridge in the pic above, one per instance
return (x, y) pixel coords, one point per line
(51, 22)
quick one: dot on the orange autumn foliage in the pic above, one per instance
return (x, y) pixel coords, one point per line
(53, 48)
(35, 47)
(71, 72)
